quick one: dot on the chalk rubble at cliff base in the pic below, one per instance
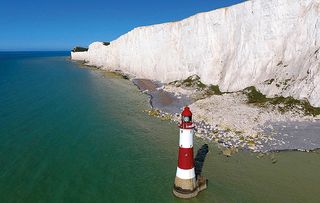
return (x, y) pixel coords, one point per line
(229, 120)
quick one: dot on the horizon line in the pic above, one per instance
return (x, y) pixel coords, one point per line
(35, 50)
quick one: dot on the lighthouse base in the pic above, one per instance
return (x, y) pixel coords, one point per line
(201, 184)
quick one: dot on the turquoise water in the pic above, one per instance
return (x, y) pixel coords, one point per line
(72, 134)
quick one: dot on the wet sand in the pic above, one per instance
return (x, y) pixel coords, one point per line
(145, 84)
(160, 99)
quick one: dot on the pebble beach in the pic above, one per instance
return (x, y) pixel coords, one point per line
(231, 122)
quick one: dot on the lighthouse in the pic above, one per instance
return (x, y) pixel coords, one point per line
(186, 184)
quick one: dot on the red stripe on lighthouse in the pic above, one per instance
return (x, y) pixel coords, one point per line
(185, 159)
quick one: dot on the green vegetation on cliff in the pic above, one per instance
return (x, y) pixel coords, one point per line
(79, 49)
(284, 103)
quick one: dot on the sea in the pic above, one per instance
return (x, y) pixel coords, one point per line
(70, 133)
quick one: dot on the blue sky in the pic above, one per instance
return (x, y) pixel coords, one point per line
(63, 24)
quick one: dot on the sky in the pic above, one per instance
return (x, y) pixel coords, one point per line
(47, 25)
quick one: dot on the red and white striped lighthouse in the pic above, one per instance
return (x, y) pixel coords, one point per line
(185, 185)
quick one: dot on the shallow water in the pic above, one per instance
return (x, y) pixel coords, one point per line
(303, 135)
(72, 134)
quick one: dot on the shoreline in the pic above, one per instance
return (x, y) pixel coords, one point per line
(162, 100)
(167, 101)
(231, 140)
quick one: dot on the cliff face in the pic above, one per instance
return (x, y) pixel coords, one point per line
(273, 45)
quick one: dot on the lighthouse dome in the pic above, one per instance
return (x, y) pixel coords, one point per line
(186, 112)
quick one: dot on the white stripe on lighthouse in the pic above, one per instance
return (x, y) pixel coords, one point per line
(186, 138)
(185, 173)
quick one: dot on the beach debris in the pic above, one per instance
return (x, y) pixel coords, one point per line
(229, 151)
(273, 159)
(260, 155)
(153, 112)
(226, 152)
(159, 114)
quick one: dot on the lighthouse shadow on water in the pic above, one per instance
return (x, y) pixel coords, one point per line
(200, 158)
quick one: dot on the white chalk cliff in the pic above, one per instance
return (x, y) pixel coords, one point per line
(271, 44)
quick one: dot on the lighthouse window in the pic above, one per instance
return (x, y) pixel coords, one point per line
(186, 119)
